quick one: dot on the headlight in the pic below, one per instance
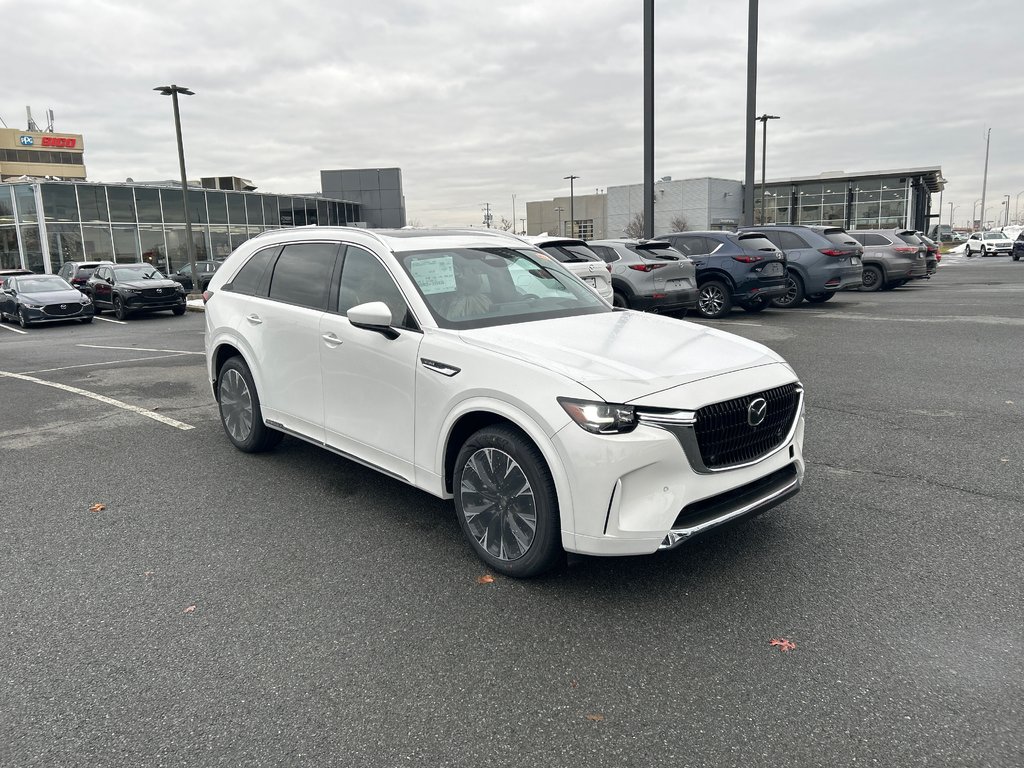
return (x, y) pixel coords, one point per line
(179, 287)
(85, 299)
(130, 291)
(600, 418)
(30, 305)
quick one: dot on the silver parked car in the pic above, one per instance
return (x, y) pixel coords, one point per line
(891, 257)
(648, 274)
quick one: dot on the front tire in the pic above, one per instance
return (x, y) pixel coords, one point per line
(872, 279)
(619, 300)
(714, 299)
(86, 320)
(178, 311)
(240, 412)
(506, 504)
(119, 311)
(794, 292)
(23, 321)
(984, 251)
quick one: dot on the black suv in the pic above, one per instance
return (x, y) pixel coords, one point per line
(78, 272)
(819, 261)
(129, 288)
(745, 270)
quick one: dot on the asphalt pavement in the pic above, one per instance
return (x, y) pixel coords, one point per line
(294, 608)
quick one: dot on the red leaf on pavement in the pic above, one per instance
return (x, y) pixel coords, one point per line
(97, 507)
(595, 718)
(190, 609)
(485, 579)
(147, 574)
(783, 644)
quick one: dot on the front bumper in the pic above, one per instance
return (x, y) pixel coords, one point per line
(145, 303)
(636, 493)
(74, 311)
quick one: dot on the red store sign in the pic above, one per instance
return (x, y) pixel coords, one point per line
(58, 141)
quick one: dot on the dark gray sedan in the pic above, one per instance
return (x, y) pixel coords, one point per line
(33, 299)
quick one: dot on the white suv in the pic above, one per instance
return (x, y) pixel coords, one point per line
(474, 367)
(988, 244)
(577, 257)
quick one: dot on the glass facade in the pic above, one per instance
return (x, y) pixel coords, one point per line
(851, 203)
(44, 224)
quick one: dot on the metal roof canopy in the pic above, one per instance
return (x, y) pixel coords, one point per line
(930, 175)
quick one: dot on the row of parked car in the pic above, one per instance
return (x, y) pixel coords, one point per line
(752, 268)
(83, 289)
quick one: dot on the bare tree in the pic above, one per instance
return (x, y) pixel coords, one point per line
(506, 224)
(679, 223)
(635, 228)
(415, 224)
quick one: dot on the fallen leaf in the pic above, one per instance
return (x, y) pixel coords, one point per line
(1004, 461)
(485, 579)
(1009, 402)
(573, 684)
(190, 609)
(97, 507)
(783, 644)
(147, 574)
(595, 718)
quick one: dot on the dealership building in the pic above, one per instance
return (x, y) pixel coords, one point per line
(867, 200)
(50, 214)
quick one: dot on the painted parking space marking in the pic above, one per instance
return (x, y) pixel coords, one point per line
(141, 349)
(101, 398)
(108, 320)
(109, 362)
(12, 330)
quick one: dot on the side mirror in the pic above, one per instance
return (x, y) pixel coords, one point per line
(373, 316)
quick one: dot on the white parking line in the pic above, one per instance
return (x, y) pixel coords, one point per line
(110, 362)
(141, 349)
(102, 398)
(108, 320)
(12, 330)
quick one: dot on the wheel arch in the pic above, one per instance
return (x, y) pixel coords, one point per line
(715, 273)
(223, 351)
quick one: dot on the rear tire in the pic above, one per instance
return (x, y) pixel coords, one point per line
(714, 299)
(872, 279)
(506, 503)
(239, 406)
(820, 298)
(619, 300)
(794, 292)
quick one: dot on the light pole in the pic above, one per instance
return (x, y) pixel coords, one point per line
(984, 178)
(190, 246)
(522, 226)
(748, 165)
(763, 119)
(951, 209)
(974, 216)
(558, 218)
(572, 207)
(985, 217)
(1016, 209)
(1006, 213)
(513, 210)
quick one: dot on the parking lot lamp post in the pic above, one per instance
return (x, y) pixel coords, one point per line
(974, 215)
(522, 226)
(1016, 209)
(1006, 213)
(190, 246)
(763, 119)
(951, 209)
(558, 218)
(572, 206)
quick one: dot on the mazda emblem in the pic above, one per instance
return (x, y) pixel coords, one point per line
(756, 412)
(63, 306)
(159, 290)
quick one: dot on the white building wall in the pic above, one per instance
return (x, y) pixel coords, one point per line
(702, 203)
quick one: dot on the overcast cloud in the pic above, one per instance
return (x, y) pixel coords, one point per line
(476, 101)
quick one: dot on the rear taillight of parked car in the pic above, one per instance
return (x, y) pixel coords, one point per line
(748, 259)
(837, 252)
(646, 267)
(207, 295)
(905, 249)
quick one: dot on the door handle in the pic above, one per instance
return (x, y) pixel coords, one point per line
(332, 340)
(254, 319)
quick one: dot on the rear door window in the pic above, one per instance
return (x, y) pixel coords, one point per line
(250, 276)
(302, 274)
(655, 251)
(607, 253)
(690, 245)
(790, 241)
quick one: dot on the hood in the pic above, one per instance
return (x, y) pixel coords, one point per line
(624, 355)
(140, 285)
(72, 296)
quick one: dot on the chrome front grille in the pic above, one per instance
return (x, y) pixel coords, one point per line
(727, 434)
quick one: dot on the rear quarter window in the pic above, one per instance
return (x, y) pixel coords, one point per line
(756, 242)
(909, 237)
(839, 237)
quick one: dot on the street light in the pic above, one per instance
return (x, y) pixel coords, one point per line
(974, 216)
(190, 246)
(558, 218)
(1016, 209)
(1006, 213)
(951, 209)
(572, 211)
(763, 119)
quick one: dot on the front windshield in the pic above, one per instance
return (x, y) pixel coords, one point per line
(478, 287)
(137, 273)
(43, 284)
(994, 236)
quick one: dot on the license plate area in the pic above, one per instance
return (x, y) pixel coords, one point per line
(772, 270)
(591, 281)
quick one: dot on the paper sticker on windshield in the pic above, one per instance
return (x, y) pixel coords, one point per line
(434, 275)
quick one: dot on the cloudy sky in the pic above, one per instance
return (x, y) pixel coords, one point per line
(477, 101)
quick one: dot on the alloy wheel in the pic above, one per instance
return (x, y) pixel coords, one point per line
(236, 405)
(498, 504)
(710, 300)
